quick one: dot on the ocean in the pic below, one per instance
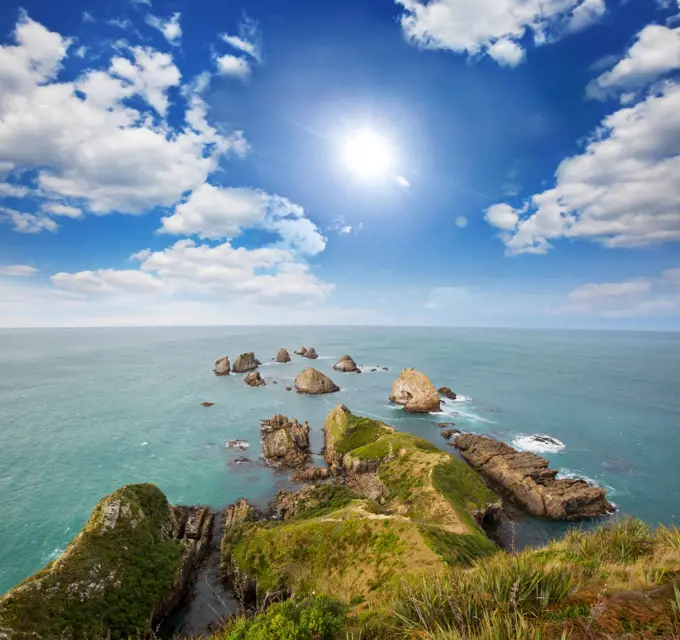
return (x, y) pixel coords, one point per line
(84, 411)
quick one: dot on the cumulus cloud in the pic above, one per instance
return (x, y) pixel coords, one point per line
(494, 27)
(83, 138)
(248, 42)
(18, 270)
(170, 28)
(229, 65)
(58, 209)
(622, 191)
(654, 54)
(25, 222)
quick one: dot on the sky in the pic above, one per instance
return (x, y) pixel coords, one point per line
(509, 163)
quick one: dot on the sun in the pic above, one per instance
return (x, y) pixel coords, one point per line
(367, 154)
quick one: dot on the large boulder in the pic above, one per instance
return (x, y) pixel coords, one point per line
(285, 443)
(245, 362)
(315, 383)
(310, 353)
(415, 392)
(254, 379)
(301, 351)
(447, 393)
(527, 478)
(131, 564)
(222, 367)
(312, 474)
(283, 356)
(346, 365)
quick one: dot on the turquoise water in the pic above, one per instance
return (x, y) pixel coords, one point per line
(84, 411)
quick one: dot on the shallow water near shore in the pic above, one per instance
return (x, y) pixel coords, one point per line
(84, 411)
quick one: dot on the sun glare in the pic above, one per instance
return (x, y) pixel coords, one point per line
(367, 155)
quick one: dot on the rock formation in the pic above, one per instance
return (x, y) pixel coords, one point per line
(236, 444)
(222, 367)
(99, 587)
(301, 351)
(447, 393)
(246, 362)
(527, 478)
(346, 365)
(415, 392)
(283, 356)
(207, 404)
(254, 379)
(310, 353)
(289, 388)
(449, 433)
(311, 475)
(314, 382)
(285, 443)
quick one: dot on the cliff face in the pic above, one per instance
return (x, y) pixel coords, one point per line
(129, 566)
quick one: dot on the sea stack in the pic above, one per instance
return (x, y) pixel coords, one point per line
(283, 356)
(254, 379)
(285, 443)
(314, 382)
(222, 367)
(346, 365)
(414, 391)
(310, 353)
(447, 393)
(301, 351)
(246, 362)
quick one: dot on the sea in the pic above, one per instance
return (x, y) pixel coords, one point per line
(85, 411)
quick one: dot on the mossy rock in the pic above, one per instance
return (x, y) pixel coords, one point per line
(114, 578)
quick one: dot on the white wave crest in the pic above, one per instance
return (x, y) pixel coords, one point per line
(538, 444)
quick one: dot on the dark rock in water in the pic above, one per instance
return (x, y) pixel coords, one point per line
(241, 460)
(385, 369)
(547, 440)
(285, 443)
(449, 433)
(246, 362)
(443, 425)
(311, 475)
(527, 478)
(301, 351)
(346, 365)
(314, 382)
(254, 379)
(310, 353)
(237, 444)
(372, 370)
(282, 356)
(447, 393)
(289, 388)
(275, 382)
(222, 367)
(207, 404)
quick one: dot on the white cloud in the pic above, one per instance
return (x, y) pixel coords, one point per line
(88, 17)
(403, 182)
(655, 53)
(58, 209)
(622, 191)
(461, 222)
(494, 27)
(18, 270)
(13, 190)
(81, 51)
(251, 48)
(233, 66)
(125, 24)
(170, 28)
(27, 222)
(86, 142)
(223, 212)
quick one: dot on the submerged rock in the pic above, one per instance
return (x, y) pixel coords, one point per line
(282, 356)
(98, 587)
(415, 392)
(310, 353)
(447, 393)
(315, 383)
(311, 475)
(236, 444)
(527, 478)
(207, 404)
(449, 433)
(222, 367)
(241, 460)
(246, 362)
(254, 379)
(346, 365)
(285, 443)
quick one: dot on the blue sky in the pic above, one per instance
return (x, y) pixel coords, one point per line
(457, 162)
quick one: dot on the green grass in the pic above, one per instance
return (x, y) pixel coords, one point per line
(457, 548)
(355, 432)
(324, 500)
(391, 444)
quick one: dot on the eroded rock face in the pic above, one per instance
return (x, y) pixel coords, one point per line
(313, 474)
(346, 365)
(222, 367)
(414, 391)
(447, 393)
(95, 572)
(310, 353)
(254, 379)
(246, 362)
(285, 443)
(314, 382)
(283, 356)
(527, 478)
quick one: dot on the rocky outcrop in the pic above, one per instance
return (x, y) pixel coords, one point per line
(447, 393)
(313, 474)
(254, 379)
(98, 585)
(222, 367)
(246, 362)
(314, 382)
(449, 433)
(346, 365)
(414, 391)
(207, 404)
(282, 356)
(301, 351)
(310, 353)
(238, 513)
(236, 444)
(285, 443)
(527, 478)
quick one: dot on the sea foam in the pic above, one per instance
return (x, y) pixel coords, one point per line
(538, 444)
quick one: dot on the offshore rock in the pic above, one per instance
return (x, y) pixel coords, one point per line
(301, 351)
(254, 379)
(449, 433)
(447, 393)
(246, 362)
(282, 356)
(310, 353)
(415, 392)
(527, 478)
(222, 367)
(346, 365)
(285, 443)
(314, 382)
